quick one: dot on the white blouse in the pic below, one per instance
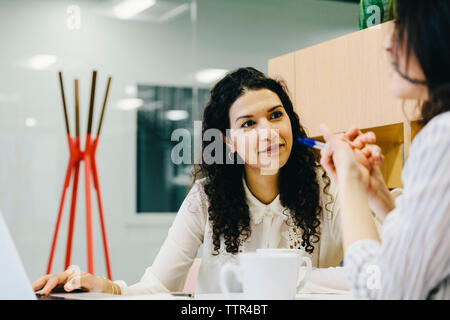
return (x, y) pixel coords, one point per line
(270, 228)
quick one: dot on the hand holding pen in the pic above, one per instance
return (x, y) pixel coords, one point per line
(362, 144)
(364, 161)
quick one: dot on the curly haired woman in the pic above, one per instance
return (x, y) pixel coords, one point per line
(264, 190)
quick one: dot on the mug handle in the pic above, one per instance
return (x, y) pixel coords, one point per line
(301, 282)
(226, 269)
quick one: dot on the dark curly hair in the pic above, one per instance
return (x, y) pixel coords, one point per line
(298, 181)
(425, 26)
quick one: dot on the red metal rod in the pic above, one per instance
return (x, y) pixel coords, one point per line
(94, 163)
(73, 204)
(61, 206)
(100, 207)
(87, 166)
(76, 152)
(67, 179)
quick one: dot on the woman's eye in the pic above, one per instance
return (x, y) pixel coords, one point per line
(247, 124)
(276, 114)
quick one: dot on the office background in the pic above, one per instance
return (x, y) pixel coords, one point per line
(167, 45)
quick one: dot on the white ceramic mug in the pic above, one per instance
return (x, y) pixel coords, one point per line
(303, 272)
(272, 276)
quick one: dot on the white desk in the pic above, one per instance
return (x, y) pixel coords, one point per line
(206, 296)
(303, 296)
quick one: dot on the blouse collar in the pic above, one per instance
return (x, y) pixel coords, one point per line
(258, 209)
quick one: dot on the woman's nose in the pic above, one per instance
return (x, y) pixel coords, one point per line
(267, 131)
(265, 125)
(387, 43)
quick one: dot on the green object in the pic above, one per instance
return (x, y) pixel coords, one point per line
(374, 12)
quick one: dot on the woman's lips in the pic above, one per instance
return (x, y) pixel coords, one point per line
(393, 69)
(273, 149)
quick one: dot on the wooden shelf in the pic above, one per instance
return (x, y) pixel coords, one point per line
(344, 82)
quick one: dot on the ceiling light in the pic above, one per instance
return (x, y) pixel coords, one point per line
(129, 104)
(130, 8)
(30, 122)
(41, 61)
(131, 91)
(176, 115)
(210, 75)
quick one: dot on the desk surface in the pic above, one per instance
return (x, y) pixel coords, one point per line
(206, 296)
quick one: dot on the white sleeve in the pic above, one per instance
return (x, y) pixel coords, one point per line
(414, 255)
(336, 221)
(170, 267)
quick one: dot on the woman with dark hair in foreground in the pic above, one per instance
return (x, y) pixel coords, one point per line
(411, 257)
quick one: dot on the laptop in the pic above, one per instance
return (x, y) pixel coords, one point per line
(14, 282)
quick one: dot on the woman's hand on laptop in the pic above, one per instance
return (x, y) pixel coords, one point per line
(71, 279)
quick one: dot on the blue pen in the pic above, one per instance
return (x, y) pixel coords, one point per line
(312, 143)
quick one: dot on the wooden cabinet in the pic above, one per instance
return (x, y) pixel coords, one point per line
(345, 82)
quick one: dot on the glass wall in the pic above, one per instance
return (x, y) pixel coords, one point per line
(162, 57)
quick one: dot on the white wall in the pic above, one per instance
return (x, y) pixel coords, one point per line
(228, 34)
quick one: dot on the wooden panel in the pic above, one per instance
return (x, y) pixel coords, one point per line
(392, 164)
(391, 141)
(283, 68)
(345, 82)
(412, 128)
